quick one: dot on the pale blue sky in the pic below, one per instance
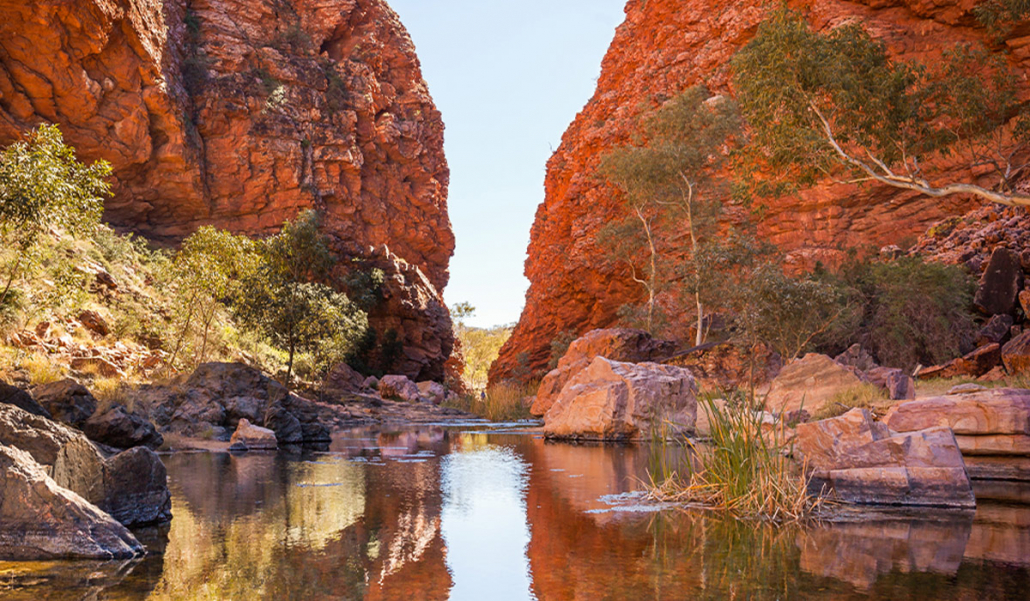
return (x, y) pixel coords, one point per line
(509, 76)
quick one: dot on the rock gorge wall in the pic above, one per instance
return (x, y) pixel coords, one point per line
(664, 47)
(240, 114)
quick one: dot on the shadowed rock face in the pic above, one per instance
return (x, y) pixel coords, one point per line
(240, 114)
(664, 47)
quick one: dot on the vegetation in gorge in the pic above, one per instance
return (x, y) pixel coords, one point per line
(668, 180)
(837, 105)
(220, 297)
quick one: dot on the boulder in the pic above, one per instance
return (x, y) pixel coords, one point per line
(611, 400)
(997, 411)
(94, 322)
(992, 428)
(249, 437)
(136, 488)
(399, 388)
(1016, 354)
(119, 428)
(343, 379)
(76, 464)
(616, 344)
(40, 520)
(371, 383)
(856, 357)
(1000, 284)
(973, 365)
(996, 330)
(860, 461)
(898, 384)
(433, 391)
(809, 382)
(212, 401)
(1024, 302)
(285, 424)
(67, 401)
(12, 395)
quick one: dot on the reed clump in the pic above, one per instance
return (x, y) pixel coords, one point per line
(503, 402)
(745, 470)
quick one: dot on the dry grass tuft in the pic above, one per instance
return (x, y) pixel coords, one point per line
(503, 403)
(863, 396)
(741, 471)
(41, 369)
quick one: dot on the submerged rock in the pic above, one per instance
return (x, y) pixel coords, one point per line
(40, 520)
(860, 461)
(616, 344)
(611, 400)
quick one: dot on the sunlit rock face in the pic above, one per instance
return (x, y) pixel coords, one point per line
(240, 114)
(664, 47)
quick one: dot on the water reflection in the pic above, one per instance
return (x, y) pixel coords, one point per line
(435, 514)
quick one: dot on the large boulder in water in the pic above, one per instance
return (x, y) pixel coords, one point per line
(40, 520)
(67, 401)
(610, 400)
(76, 464)
(616, 344)
(249, 437)
(861, 461)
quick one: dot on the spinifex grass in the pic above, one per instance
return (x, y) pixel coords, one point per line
(502, 402)
(743, 470)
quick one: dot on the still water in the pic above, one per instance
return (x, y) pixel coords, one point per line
(471, 513)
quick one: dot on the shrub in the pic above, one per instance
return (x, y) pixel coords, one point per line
(912, 311)
(502, 402)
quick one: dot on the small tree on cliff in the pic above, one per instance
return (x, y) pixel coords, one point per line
(837, 105)
(43, 186)
(670, 177)
(287, 301)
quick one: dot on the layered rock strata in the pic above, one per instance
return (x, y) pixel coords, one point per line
(860, 461)
(992, 428)
(240, 114)
(664, 47)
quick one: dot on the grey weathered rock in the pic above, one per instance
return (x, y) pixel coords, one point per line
(12, 395)
(76, 464)
(285, 424)
(611, 400)
(996, 330)
(136, 488)
(1000, 284)
(432, 391)
(119, 428)
(40, 520)
(67, 401)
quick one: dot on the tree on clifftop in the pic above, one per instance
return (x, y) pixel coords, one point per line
(671, 176)
(837, 105)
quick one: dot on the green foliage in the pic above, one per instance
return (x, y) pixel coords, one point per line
(836, 104)
(559, 346)
(791, 315)
(284, 299)
(1000, 16)
(44, 188)
(911, 311)
(669, 180)
(209, 270)
(478, 347)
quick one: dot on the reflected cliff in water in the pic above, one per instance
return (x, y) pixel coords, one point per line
(437, 513)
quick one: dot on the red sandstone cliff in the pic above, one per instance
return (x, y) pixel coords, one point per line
(241, 113)
(664, 47)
